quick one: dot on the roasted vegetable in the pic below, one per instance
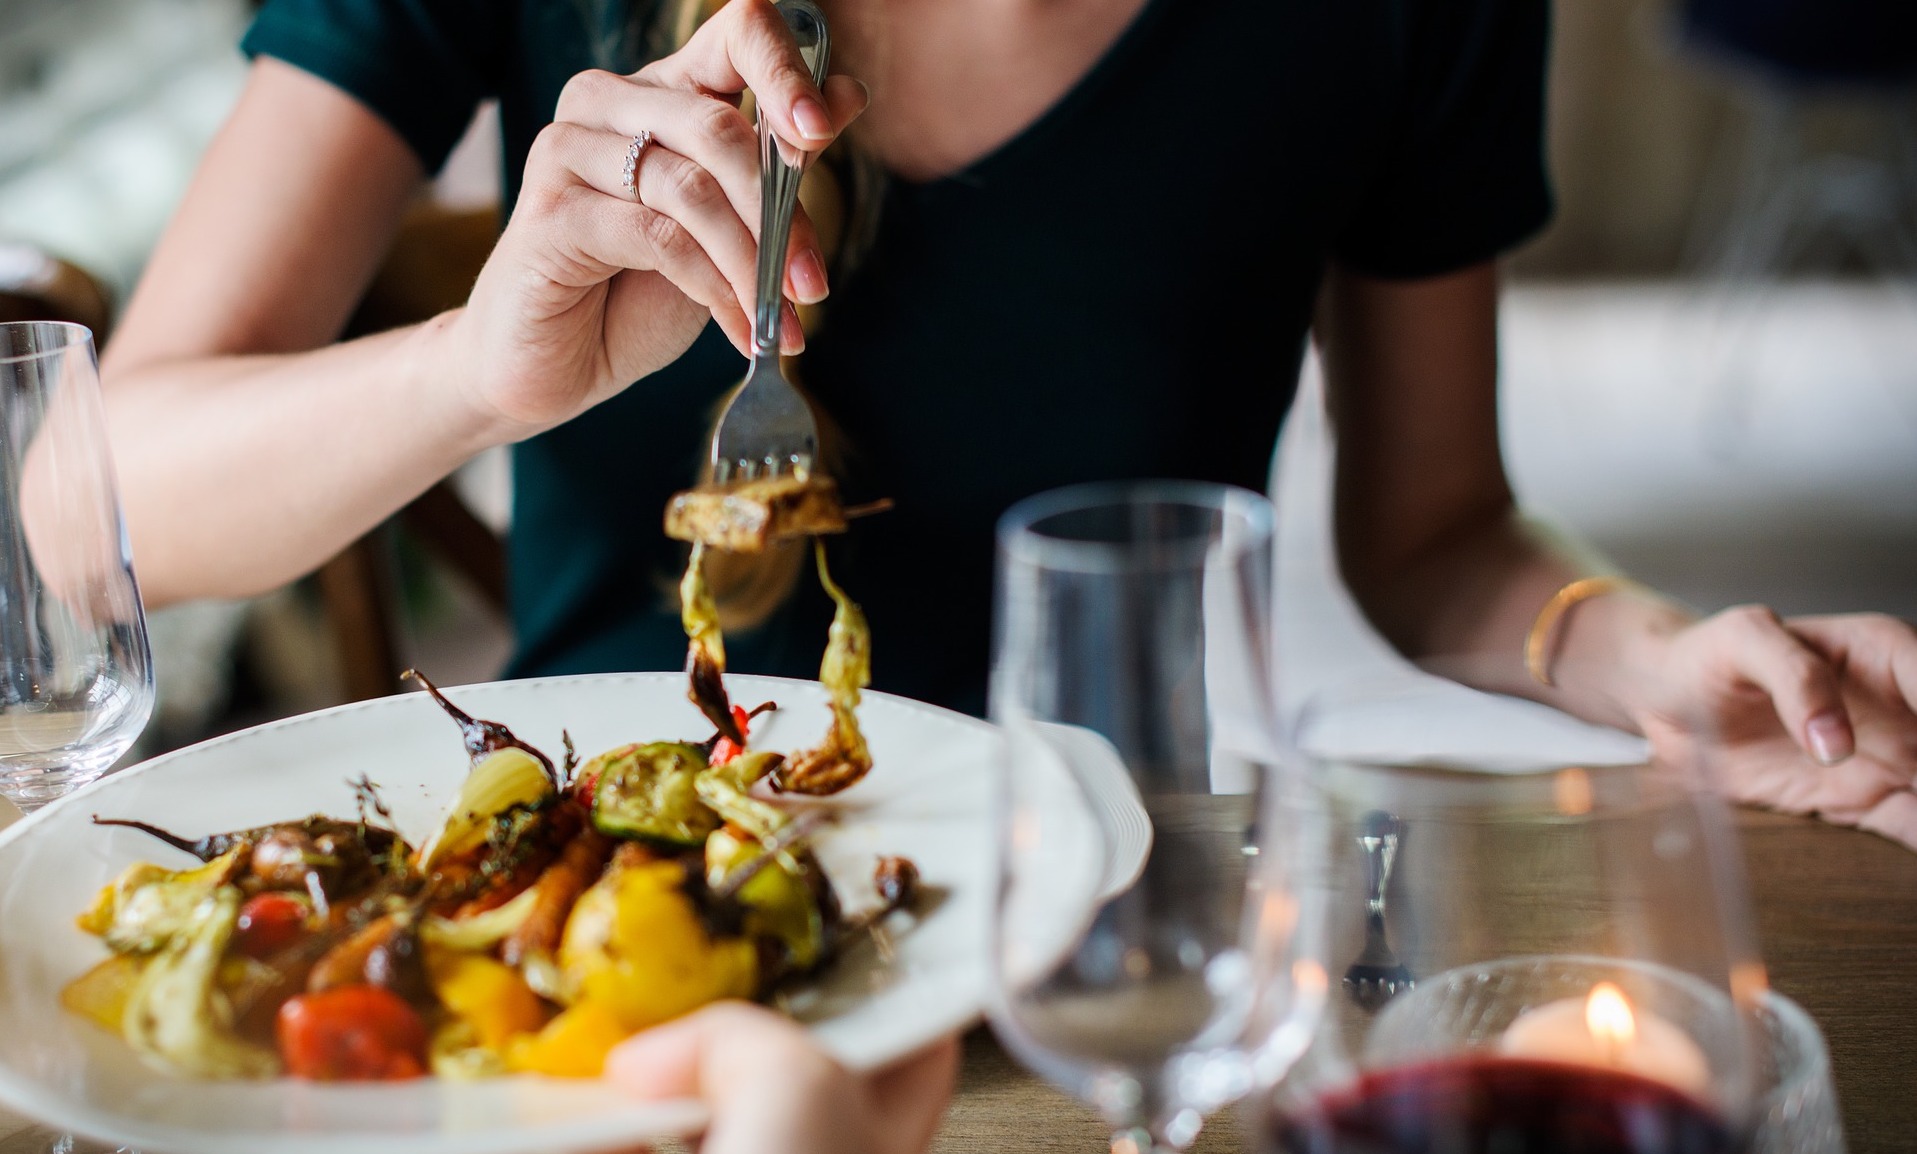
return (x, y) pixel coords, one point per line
(638, 945)
(386, 953)
(779, 899)
(489, 996)
(270, 922)
(146, 906)
(480, 931)
(845, 670)
(176, 1013)
(323, 856)
(101, 994)
(483, 738)
(554, 894)
(500, 782)
(651, 791)
(573, 1045)
(748, 516)
(706, 649)
(353, 1033)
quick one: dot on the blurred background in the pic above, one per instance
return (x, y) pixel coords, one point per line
(1710, 357)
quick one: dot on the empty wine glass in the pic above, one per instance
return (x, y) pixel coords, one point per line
(1578, 964)
(76, 685)
(76, 682)
(1143, 959)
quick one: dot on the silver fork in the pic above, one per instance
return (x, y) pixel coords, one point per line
(768, 428)
(1377, 975)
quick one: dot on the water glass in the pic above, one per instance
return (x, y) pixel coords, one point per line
(1143, 960)
(76, 682)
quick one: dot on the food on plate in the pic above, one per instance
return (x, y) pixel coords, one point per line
(747, 516)
(555, 911)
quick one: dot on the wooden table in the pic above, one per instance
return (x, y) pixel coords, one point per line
(1837, 913)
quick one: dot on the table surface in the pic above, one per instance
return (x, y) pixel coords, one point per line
(1837, 918)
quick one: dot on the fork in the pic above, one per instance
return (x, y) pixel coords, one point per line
(768, 428)
(1377, 975)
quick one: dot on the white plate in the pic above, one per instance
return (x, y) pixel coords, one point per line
(930, 797)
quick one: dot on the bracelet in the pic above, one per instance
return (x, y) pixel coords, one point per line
(1537, 643)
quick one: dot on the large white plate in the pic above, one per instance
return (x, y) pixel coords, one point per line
(930, 797)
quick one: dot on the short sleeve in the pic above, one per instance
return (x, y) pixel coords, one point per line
(1463, 175)
(423, 66)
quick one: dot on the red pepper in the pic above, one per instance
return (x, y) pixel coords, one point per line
(270, 922)
(352, 1033)
(724, 750)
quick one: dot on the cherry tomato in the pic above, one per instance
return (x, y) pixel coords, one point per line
(270, 922)
(352, 1033)
(724, 751)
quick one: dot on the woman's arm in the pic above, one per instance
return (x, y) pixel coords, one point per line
(246, 460)
(251, 449)
(1432, 546)
(1430, 540)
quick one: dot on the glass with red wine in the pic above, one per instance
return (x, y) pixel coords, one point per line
(1525, 956)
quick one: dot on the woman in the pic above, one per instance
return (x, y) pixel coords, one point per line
(1075, 266)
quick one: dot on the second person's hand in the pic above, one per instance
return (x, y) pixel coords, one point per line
(590, 288)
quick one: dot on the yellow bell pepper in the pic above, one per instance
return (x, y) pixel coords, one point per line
(101, 993)
(636, 945)
(487, 994)
(573, 1045)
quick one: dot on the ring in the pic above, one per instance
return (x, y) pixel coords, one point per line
(633, 151)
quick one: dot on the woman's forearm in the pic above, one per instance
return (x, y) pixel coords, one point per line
(240, 473)
(1468, 608)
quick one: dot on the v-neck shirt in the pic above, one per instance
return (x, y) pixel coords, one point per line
(1120, 290)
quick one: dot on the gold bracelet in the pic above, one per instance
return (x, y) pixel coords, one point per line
(1537, 643)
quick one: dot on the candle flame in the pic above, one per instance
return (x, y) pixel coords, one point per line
(1609, 1017)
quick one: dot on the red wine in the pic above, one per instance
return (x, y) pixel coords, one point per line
(1501, 1106)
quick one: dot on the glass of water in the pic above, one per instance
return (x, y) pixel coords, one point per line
(76, 682)
(1147, 949)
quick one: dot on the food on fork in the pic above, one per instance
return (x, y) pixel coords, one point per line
(749, 516)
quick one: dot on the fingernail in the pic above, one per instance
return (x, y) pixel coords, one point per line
(811, 117)
(1829, 738)
(792, 333)
(808, 277)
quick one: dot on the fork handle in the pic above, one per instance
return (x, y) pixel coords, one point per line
(779, 180)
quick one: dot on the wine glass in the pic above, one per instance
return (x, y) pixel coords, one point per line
(1577, 968)
(1143, 959)
(76, 684)
(76, 681)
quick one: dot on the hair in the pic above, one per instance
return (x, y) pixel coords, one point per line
(841, 195)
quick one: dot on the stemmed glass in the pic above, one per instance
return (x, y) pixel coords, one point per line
(76, 682)
(1144, 960)
(1569, 948)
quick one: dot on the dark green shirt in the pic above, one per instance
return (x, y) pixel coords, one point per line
(1122, 290)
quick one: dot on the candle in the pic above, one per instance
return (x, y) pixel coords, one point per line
(1604, 1031)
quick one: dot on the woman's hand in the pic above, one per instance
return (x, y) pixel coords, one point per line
(770, 1087)
(1807, 714)
(588, 289)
